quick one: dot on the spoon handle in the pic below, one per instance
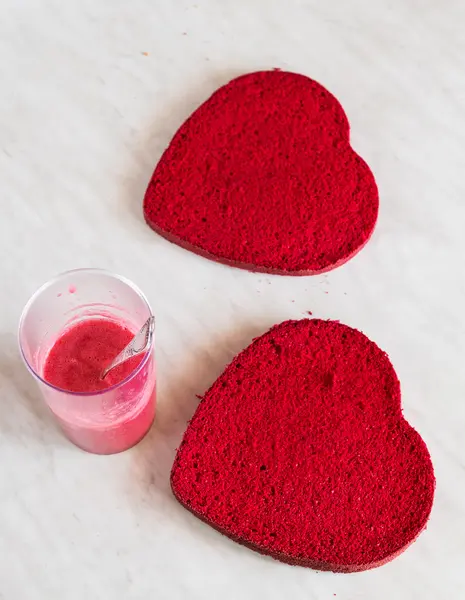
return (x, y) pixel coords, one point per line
(138, 345)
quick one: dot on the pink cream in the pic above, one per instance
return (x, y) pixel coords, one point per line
(101, 416)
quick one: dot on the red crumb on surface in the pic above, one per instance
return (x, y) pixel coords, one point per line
(72, 289)
(77, 359)
(262, 176)
(300, 451)
(309, 312)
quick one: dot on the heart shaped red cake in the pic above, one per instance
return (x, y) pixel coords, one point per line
(300, 451)
(262, 176)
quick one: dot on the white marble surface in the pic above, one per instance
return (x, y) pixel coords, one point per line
(84, 116)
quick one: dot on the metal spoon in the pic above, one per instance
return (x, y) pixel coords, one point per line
(139, 344)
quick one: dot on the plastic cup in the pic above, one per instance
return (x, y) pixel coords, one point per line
(110, 420)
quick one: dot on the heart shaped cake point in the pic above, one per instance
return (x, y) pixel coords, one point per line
(300, 451)
(262, 176)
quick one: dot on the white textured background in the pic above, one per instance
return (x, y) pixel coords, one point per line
(84, 117)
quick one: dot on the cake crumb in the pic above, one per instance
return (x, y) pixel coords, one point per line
(145, 53)
(309, 312)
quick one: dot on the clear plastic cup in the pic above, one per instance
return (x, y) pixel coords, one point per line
(106, 421)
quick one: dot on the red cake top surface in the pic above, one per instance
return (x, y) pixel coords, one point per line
(262, 176)
(300, 451)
